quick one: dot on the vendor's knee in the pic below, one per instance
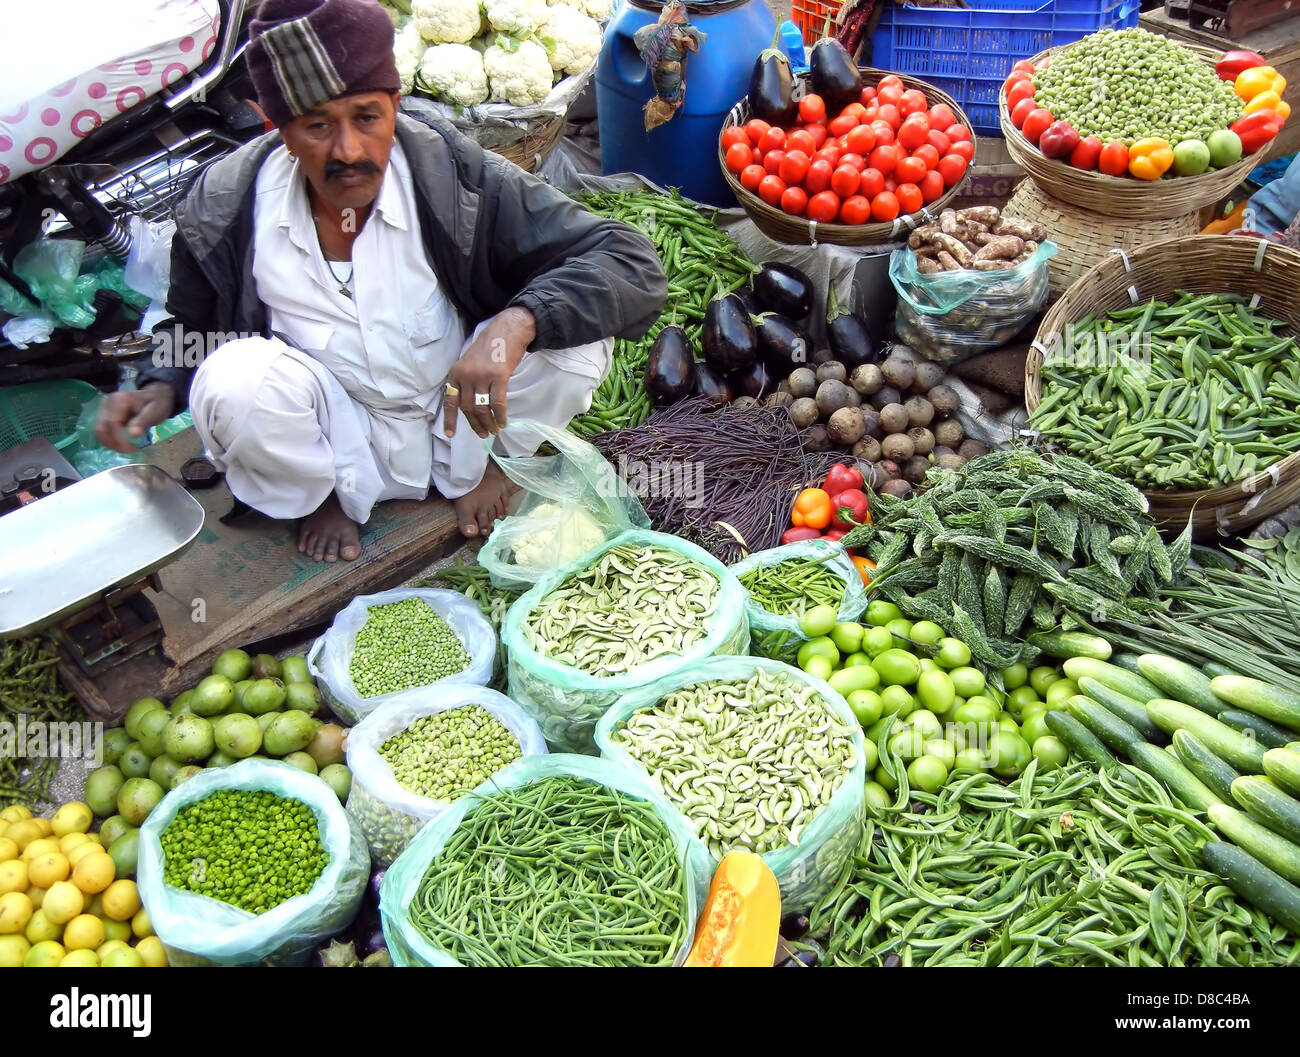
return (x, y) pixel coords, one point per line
(228, 382)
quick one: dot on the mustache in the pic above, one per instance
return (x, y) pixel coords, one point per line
(338, 168)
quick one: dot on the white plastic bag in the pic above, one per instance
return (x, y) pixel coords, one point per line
(388, 813)
(330, 658)
(149, 263)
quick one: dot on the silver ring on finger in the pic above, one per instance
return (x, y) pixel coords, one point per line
(482, 399)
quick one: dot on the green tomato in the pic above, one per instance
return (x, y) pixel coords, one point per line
(969, 761)
(1021, 698)
(926, 722)
(928, 665)
(877, 798)
(935, 691)
(927, 773)
(897, 701)
(1035, 727)
(1015, 676)
(867, 706)
(976, 710)
(856, 660)
(967, 682)
(927, 632)
(953, 653)
(880, 613)
(848, 636)
(1042, 677)
(897, 667)
(847, 680)
(882, 778)
(1225, 148)
(901, 629)
(1060, 692)
(1191, 157)
(943, 750)
(907, 744)
(818, 647)
(1050, 752)
(877, 641)
(1008, 754)
(819, 667)
(870, 754)
(1008, 724)
(872, 733)
(819, 621)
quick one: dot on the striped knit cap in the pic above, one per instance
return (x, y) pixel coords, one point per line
(302, 53)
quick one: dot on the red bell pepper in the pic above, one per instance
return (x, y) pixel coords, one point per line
(841, 478)
(1233, 62)
(798, 535)
(854, 500)
(1058, 140)
(1256, 129)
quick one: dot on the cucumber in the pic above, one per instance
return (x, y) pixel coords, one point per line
(1259, 697)
(1135, 686)
(1180, 782)
(1067, 644)
(1127, 661)
(1117, 734)
(1214, 668)
(1238, 749)
(1130, 711)
(1259, 886)
(1270, 735)
(1079, 739)
(1266, 803)
(1277, 853)
(1211, 770)
(1180, 681)
(1283, 766)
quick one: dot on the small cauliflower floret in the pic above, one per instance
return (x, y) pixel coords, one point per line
(518, 17)
(561, 544)
(518, 77)
(454, 73)
(408, 49)
(575, 38)
(596, 9)
(447, 21)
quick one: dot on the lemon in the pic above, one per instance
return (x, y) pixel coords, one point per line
(23, 833)
(82, 850)
(117, 930)
(141, 925)
(94, 873)
(36, 895)
(39, 928)
(84, 932)
(95, 838)
(13, 876)
(13, 951)
(123, 957)
(15, 911)
(44, 825)
(45, 869)
(8, 849)
(80, 959)
(40, 846)
(74, 817)
(96, 905)
(44, 955)
(72, 840)
(63, 902)
(108, 946)
(151, 951)
(121, 900)
(15, 813)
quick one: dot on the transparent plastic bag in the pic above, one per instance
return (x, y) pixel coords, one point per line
(330, 657)
(14, 304)
(567, 702)
(778, 637)
(51, 268)
(89, 456)
(950, 316)
(199, 930)
(807, 871)
(149, 264)
(388, 813)
(571, 503)
(408, 946)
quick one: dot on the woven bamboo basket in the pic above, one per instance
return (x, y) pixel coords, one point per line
(1123, 196)
(1086, 238)
(535, 146)
(1201, 264)
(792, 230)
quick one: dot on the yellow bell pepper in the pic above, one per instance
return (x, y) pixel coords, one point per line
(1258, 79)
(1269, 100)
(1151, 158)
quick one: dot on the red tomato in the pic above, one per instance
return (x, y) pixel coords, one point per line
(1024, 64)
(884, 206)
(952, 168)
(1113, 160)
(890, 80)
(1014, 78)
(843, 141)
(1022, 110)
(856, 109)
(891, 184)
(910, 170)
(872, 183)
(928, 153)
(956, 132)
(773, 139)
(940, 142)
(941, 116)
(771, 190)
(914, 102)
(932, 188)
(884, 132)
(794, 200)
(756, 129)
(818, 177)
(739, 155)
(856, 160)
(884, 158)
(734, 134)
(1087, 154)
(913, 131)
(801, 139)
(855, 210)
(824, 207)
(772, 161)
(872, 113)
(1019, 91)
(842, 124)
(868, 94)
(845, 181)
(890, 94)
(831, 152)
(861, 140)
(1036, 124)
(909, 197)
(963, 148)
(794, 167)
(891, 115)
(812, 108)
(818, 133)
(751, 177)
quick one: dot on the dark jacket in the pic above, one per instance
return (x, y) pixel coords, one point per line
(495, 237)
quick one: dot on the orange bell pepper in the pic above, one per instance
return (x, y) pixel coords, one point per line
(865, 568)
(1151, 158)
(1257, 79)
(1269, 100)
(812, 509)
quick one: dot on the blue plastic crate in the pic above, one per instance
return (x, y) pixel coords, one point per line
(968, 53)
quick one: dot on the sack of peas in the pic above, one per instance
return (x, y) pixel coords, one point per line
(392, 645)
(783, 583)
(757, 755)
(410, 761)
(558, 860)
(255, 863)
(643, 606)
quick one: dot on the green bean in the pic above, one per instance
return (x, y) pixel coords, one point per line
(791, 587)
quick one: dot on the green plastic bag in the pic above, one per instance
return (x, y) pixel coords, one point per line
(198, 930)
(778, 637)
(51, 268)
(807, 871)
(567, 702)
(408, 946)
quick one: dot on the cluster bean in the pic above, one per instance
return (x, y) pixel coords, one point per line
(632, 605)
(445, 755)
(250, 849)
(749, 763)
(791, 587)
(402, 645)
(558, 872)
(30, 690)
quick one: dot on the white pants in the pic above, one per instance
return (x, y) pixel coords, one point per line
(286, 434)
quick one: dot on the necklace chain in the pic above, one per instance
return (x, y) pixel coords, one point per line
(343, 283)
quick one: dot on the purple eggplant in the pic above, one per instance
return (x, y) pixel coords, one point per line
(833, 74)
(728, 340)
(784, 289)
(848, 337)
(754, 380)
(783, 345)
(711, 385)
(670, 372)
(771, 86)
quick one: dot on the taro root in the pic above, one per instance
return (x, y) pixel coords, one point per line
(893, 418)
(846, 426)
(804, 412)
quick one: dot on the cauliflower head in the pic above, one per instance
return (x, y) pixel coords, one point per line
(518, 17)
(408, 49)
(573, 39)
(447, 21)
(455, 74)
(597, 9)
(572, 536)
(518, 77)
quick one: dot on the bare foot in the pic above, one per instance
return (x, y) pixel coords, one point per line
(482, 504)
(328, 534)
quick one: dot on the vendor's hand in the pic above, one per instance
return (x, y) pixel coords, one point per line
(485, 367)
(130, 414)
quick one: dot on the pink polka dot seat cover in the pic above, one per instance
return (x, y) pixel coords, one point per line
(71, 66)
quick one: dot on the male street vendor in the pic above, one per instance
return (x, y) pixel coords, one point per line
(372, 279)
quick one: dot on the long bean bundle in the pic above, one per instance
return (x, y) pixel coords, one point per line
(791, 587)
(558, 872)
(30, 688)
